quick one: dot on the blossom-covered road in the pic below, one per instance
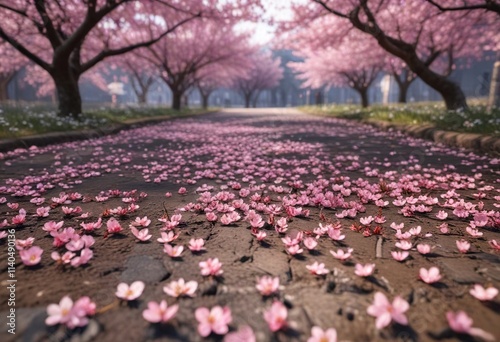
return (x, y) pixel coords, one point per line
(262, 224)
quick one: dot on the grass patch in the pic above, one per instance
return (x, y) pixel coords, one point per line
(19, 121)
(477, 119)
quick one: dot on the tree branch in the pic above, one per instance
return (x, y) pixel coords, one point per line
(489, 5)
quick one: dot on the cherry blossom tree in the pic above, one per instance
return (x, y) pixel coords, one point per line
(264, 73)
(355, 65)
(67, 38)
(142, 74)
(425, 39)
(182, 56)
(220, 75)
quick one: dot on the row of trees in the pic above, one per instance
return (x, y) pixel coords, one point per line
(348, 43)
(183, 43)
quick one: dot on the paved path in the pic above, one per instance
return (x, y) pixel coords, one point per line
(276, 162)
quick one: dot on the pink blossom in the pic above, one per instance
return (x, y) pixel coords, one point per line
(64, 259)
(196, 245)
(63, 236)
(281, 225)
(211, 216)
(3, 234)
(141, 235)
(101, 198)
(84, 307)
(268, 285)
(396, 226)
(276, 316)
(19, 219)
(260, 235)
(429, 276)
(494, 244)
(423, 248)
(483, 294)
(400, 255)
(310, 243)
(294, 249)
(443, 228)
(62, 313)
(366, 220)
(481, 219)
(159, 312)
(75, 244)
(141, 222)
(335, 234)
(31, 256)
(42, 211)
(211, 267)
(182, 191)
(319, 335)
(24, 244)
(167, 237)
(226, 220)
(113, 226)
(215, 320)
(415, 230)
(91, 226)
(364, 270)
(132, 292)
(256, 221)
(173, 251)
(13, 206)
(317, 268)
(181, 288)
(461, 323)
(291, 241)
(85, 255)
(385, 312)
(474, 232)
(243, 334)
(463, 246)
(442, 215)
(404, 245)
(341, 255)
(168, 194)
(87, 240)
(71, 211)
(72, 315)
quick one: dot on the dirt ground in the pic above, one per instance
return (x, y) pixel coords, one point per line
(275, 153)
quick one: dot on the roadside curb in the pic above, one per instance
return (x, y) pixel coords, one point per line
(472, 141)
(62, 137)
(480, 143)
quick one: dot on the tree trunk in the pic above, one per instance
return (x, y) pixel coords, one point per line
(255, 99)
(247, 100)
(176, 100)
(363, 94)
(451, 92)
(204, 101)
(4, 83)
(494, 96)
(68, 92)
(4, 94)
(403, 92)
(141, 98)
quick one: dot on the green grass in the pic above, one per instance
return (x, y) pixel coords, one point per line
(476, 119)
(31, 119)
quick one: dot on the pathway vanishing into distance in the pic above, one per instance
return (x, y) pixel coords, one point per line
(270, 192)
